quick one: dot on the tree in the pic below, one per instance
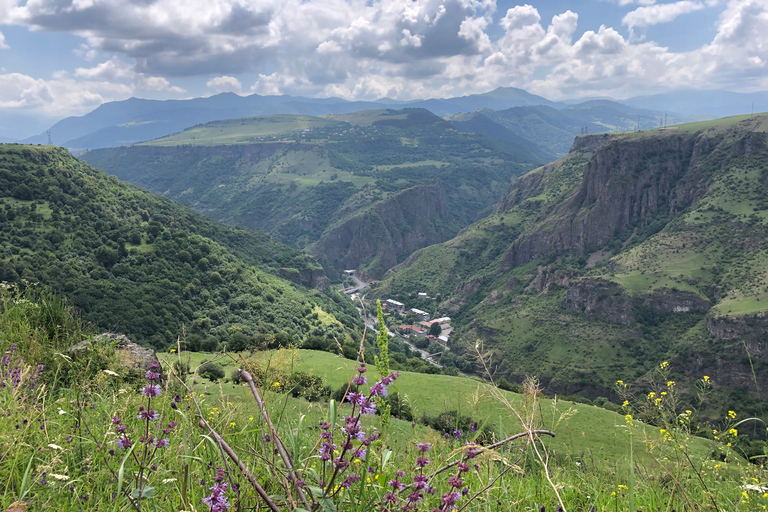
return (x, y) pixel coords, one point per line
(435, 329)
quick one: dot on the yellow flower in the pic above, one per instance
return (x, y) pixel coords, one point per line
(664, 365)
(232, 424)
(250, 419)
(651, 395)
(613, 493)
(172, 350)
(663, 393)
(733, 432)
(670, 383)
(706, 378)
(732, 414)
(368, 479)
(619, 382)
(276, 384)
(625, 404)
(621, 486)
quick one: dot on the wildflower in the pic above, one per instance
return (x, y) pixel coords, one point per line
(457, 434)
(423, 447)
(664, 365)
(276, 384)
(55, 447)
(151, 391)
(43, 481)
(732, 414)
(148, 414)
(59, 477)
(421, 462)
(123, 443)
(162, 443)
(217, 501)
(706, 378)
(619, 382)
(110, 372)
(670, 384)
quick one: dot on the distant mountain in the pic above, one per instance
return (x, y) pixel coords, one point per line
(136, 263)
(635, 248)
(6, 139)
(552, 130)
(133, 120)
(700, 102)
(359, 190)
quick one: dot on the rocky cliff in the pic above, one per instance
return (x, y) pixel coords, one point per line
(383, 235)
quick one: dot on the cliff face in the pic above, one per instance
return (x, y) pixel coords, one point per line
(625, 183)
(382, 236)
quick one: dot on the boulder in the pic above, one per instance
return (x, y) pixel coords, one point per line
(133, 359)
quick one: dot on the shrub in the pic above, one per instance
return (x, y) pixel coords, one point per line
(212, 371)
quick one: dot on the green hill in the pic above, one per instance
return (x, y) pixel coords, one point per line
(145, 266)
(633, 249)
(361, 190)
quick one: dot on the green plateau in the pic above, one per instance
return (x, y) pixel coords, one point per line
(633, 249)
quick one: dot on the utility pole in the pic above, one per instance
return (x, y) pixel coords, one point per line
(48, 132)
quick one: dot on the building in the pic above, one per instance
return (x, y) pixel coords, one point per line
(411, 329)
(394, 305)
(422, 315)
(423, 295)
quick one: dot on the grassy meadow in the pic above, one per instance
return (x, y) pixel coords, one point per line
(82, 433)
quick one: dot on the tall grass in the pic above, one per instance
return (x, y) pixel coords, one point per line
(59, 449)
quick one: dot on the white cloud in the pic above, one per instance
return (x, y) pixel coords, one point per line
(660, 13)
(57, 97)
(225, 84)
(116, 69)
(406, 49)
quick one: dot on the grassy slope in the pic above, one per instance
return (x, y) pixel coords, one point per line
(714, 249)
(587, 432)
(141, 264)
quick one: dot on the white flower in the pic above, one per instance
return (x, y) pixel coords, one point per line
(121, 391)
(61, 411)
(55, 446)
(169, 480)
(756, 488)
(58, 477)
(110, 372)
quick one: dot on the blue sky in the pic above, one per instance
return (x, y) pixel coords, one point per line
(66, 57)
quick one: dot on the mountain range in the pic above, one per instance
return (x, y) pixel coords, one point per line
(133, 120)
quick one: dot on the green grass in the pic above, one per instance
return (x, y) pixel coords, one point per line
(589, 432)
(247, 130)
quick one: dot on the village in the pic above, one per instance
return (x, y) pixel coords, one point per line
(430, 330)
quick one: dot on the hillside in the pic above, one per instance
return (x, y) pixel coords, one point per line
(142, 265)
(633, 249)
(360, 190)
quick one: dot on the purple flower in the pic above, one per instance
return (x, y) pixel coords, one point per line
(351, 479)
(356, 398)
(151, 391)
(362, 368)
(43, 481)
(359, 380)
(367, 407)
(423, 447)
(148, 414)
(162, 443)
(124, 443)
(217, 501)
(378, 389)
(457, 434)
(421, 462)
(150, 376)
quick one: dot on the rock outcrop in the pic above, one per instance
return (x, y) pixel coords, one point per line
(666, 300)
(599, 299)
(380, 237)
(134, 360)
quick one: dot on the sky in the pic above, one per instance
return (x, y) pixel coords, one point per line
(66, 57)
